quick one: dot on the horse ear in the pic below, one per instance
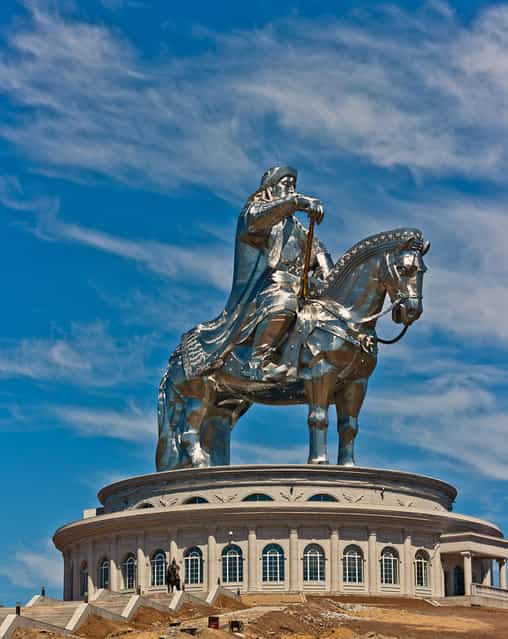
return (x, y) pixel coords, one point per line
(406, 244)
(426, 247)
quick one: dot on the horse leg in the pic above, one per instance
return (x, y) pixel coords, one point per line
(197, 409)
(216, 429)
(349, 402)
(318, 391)
(170, 407)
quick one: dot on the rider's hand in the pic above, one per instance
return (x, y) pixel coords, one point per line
(312, 206)
(316, 212)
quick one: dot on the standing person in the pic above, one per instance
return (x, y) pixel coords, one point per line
(173, 576)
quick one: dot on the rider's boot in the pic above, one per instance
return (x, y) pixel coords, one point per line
(268, 337)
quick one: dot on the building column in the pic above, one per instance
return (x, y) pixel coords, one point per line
(436, 574)
(141, 581)
(90, 562)
(252, 566)
(502, 573)
(468, 572)
(66, 560)
(372, 561)
(76, 554)
(294, 561)
(334, 560)
(487, 572)
(407, 565)
(212, 559)
(114, 568)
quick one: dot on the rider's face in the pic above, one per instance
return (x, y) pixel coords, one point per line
(285, 186)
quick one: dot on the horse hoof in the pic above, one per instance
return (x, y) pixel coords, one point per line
(318, 460)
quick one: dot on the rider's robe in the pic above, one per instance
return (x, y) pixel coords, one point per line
(269, 256)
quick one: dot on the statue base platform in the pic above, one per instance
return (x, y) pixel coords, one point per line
(290, 528)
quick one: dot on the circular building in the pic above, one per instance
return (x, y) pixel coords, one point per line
(289, 528)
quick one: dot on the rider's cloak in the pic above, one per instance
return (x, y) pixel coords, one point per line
(266, 279)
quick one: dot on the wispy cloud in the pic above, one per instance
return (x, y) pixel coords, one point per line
(86, 355)
(416, 97)
(452, 417)
(201, 264)
(130, 424)
(249, 453)
(30, 567)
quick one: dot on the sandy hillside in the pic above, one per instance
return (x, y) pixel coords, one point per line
(323, 617)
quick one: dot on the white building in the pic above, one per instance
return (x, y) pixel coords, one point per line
(282, 528)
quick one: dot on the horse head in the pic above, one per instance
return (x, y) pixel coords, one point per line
(404, 278)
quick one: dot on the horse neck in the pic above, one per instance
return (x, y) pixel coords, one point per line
(361, 292)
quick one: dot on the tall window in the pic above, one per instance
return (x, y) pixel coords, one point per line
(232, 564)
(158, 563)
(193, 558)
(83, 579)
(257, 497)
(129, 572)
(273, 563)
(353, 565)
(313, 563)
(389, 566)
(422, 565)
(104, 574)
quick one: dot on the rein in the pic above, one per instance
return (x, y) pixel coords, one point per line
(371, 318)
(395, 339)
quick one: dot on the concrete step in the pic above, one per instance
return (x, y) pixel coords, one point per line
(113, 605)
(59, 615)
(163, 597)
(6, 611)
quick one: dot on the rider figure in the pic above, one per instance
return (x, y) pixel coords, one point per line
(269, 225)
(269, 260)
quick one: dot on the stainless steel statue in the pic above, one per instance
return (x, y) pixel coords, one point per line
(295, 329)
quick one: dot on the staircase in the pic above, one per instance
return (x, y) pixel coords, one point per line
(112, 602)
(56, 614)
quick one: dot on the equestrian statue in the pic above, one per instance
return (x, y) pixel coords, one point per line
(296, 329)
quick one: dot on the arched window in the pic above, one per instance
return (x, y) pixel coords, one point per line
(353, 565)
(422, 566)
(273, 563)
(232, 564)
(313, 563)
(389, 566)
(158, 563)
(196, 500)
(129, 572)
(258, 497)
(322, 497)
(83, 579)
(103, 580)
(193, 558)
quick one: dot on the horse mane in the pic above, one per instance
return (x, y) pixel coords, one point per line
(366, 248)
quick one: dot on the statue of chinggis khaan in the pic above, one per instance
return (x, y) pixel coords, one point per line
(296, 329)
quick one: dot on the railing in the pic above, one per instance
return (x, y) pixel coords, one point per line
(480, 590)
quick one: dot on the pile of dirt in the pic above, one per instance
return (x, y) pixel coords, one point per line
(334, 618)
(99, 628)
(229, 603)
(152, 618)
(193, 610)
(212, 633)
(31, 633)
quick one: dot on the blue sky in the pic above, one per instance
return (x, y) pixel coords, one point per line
(131, 131)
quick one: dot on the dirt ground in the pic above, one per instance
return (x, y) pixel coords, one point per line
(320, 617)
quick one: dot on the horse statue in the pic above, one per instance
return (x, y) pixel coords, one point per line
(331, 351)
